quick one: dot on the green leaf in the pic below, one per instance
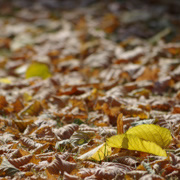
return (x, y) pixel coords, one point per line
(150, 132)
(38, 69)
(132, 142)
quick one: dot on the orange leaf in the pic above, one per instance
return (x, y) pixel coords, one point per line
(120, 124)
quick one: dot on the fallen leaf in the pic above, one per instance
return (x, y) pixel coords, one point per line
(37, 69)
(132, 142)
(98, 153)
(153, 133)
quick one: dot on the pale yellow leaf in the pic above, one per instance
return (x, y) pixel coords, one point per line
(132, 142)
(98, 153)
(150, 132)
(5, 81)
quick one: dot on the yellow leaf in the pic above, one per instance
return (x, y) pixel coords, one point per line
(132, 142)
(33, 109)
(150, 132)
(97, 153)
(38, 69)
(5, 81)
(22, 124)
(27, 97)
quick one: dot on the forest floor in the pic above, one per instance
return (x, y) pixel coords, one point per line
(89, 89)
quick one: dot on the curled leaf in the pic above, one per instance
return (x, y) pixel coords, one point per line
(127, 160)
(69, 177)
(6, 168)
(67, 131)
(110, 170)
(17, 162)
(120, 124)
(29, 143)
(151, 176)
(60, 165)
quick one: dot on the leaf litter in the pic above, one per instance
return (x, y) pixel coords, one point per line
(89, 90)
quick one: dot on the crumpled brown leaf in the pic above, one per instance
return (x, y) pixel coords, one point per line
(67, 131)
(60, 165)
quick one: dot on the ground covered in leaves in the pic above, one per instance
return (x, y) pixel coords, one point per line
(75, 73)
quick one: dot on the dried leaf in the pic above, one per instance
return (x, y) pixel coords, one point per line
(109, 170)
(67, 131)
(60, 165)
(69, 177)
(22, 124)
(135, 174)
(3, 102)
(44, 131)
(17, 105)
(127, 160)
(32, 109)
(120, 124)
(151, 176)
(29, 143)
(6, 168)
(17, 162)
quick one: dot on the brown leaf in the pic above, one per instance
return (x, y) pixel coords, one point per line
(3, 102)
(32, 109)
(130, 161)
(66, 131)
(22, 124)
(29, 143)
(109, 170)
(69, 177)
(152, 176)
(120, 124)
(44, 131)
(149, 74)
(86, 172)
(58, 164)
(50, 176)
(40, 149)
(135, 174)
(17, 105)
(30, 129)
(17, 162)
